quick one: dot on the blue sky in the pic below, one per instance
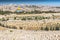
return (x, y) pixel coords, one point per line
(37, 2)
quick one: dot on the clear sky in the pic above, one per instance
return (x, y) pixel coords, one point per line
(37, 2)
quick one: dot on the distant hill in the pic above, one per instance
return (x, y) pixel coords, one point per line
(29, 8)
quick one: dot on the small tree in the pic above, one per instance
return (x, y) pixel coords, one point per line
(23, 18)
(46, 28)
(57, 28)
(41, 28)
(11, 30)
(14, 18)
(51, 28)
(21, 27)
(36, 18)
(7, 19)
(29, 18)
(0, 24)
(53, 16)
(14, 27)
(3, 19)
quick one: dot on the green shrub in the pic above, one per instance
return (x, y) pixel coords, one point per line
(57, 28)
(3, 19)
(14, 18)
(51, 28)
(23, 18)
(41, 28)
(29, 18)
(11, 30)
(46, 28)
(14, 27)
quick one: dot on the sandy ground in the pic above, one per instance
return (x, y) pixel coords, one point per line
(2, 28)
(13, 34)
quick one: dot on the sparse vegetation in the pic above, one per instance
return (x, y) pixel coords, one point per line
(27, 23)
(21, 27)
(23, 18)
(14, 27)
(11, 30)
(48, 26)
(5, 12)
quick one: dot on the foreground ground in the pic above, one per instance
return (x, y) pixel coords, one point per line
(16, 34)
(13, 34)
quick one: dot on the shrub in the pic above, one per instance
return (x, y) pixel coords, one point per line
(14, 18)
(11, 30)
(36, 18)
(29, 18)
(53, 16)
(7, 19)
(14, 27)
(2, 25)
(23, 18)
(57, 28)
(41, 28)
(51, 28)
(46, 29)
(13, 39)
(3, 19)
(21, 27)
(40, 18)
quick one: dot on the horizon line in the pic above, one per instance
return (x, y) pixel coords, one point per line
(34, 3)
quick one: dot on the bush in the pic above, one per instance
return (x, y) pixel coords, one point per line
(21, 27)
(51, 28)
(41, 28)
(57, 28)
(29, 18)
(14, 27)
(11, 30)
(2, 25)
(7, 19)
(3, 19)
(23, 18)
(46, 29)
(36, 18)
(14, 18)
